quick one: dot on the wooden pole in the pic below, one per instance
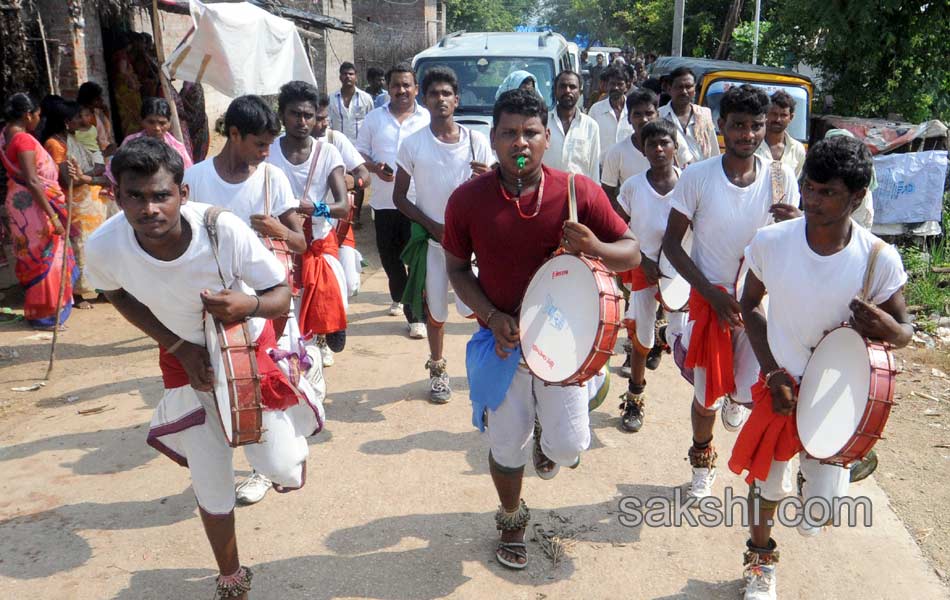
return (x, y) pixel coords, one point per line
(65, 275)
(166, 85)
(49, 70)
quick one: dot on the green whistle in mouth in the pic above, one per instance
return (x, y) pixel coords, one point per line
(521, 162)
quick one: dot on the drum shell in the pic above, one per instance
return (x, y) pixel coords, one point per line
(286, 257)
(243, 407)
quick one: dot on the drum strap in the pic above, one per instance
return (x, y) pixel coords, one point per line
(869, 273)
(313, 168)
(571, 199)
(266, 191)
(211, 226)
(778, 182)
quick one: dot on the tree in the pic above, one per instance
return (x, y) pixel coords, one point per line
(875, 58)
(487, 15)
(774, 48)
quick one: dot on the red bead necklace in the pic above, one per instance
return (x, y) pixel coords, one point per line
(517, 199)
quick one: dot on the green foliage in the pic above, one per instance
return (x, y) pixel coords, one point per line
(924, 287)
(773, 47)
(487, 15)
(877, 58)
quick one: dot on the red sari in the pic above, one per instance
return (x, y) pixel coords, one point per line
(39, 252)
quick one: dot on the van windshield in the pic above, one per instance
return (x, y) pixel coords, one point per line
(798, 128)
(481, 76)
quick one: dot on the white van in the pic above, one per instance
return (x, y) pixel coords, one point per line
(483, 60)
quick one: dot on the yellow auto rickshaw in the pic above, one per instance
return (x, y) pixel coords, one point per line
(714, 77)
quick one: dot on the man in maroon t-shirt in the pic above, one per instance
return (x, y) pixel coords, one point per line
(512, 219)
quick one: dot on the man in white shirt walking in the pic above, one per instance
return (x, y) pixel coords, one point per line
(778, 144)
(575, 137)
(693, 121)
(611, 112)
(380, 136)
(348, 109)
(439, 158)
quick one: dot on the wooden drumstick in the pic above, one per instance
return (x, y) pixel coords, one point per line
(62, 282)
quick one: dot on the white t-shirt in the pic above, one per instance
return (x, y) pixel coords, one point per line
(438, 168)
(243, 199)
(380, 137)
(648, 212)
(809, 294)
(351, 156)
(725, 216)
(171, 289)
(622, 162)
(328, 159)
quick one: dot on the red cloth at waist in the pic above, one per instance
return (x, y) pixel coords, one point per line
(636, 279)
(765, 437)
(350, 239)
(321, 309)
(710, 348)
(276, 391)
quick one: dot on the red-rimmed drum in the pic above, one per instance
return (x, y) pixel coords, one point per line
(845, 397)
(674, 289)
(237, 382)
(569, 321)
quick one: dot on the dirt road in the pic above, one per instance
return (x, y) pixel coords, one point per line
(398, 504)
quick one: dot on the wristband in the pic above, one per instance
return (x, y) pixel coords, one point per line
(257, 307)
(321, 210)
(174, 347)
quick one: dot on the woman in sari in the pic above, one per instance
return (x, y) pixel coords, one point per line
(37, 212)
(90, 208)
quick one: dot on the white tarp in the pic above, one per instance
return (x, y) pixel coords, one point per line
(238, 49)
(910, 187)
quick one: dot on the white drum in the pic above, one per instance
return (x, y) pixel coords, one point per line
(845, 397)
(674, 289)
(569, 320)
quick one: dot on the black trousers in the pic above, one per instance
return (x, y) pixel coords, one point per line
(392, 234)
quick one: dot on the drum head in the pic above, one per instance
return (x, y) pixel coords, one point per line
(560, 316)
(674, 289)
(834, 393)
(222, 397)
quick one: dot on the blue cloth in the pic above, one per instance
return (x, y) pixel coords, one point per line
(489, 376)
(320, 209)
(380, 99)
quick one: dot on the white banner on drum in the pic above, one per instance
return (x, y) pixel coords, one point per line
(910, 187)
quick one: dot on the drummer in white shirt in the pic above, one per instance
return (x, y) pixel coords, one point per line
(810, 295)
(240, 180)
(644, 202)
(575, 137)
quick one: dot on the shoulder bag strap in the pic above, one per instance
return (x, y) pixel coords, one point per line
(211, 226)
(266, 191)
(869, 273)
(571, 199)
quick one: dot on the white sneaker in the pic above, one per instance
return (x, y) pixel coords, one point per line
(702, 483)
(734, 415)
(417, 331)
(760, 582)
(395, 309)
(252, 489)
(326, 355)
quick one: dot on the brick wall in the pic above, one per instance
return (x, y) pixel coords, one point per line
(387, 32)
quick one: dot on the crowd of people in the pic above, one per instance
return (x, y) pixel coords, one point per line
(455, 209)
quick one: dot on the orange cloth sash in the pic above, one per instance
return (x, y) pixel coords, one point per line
(322, 309)
(765, 437)
(710, 348)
